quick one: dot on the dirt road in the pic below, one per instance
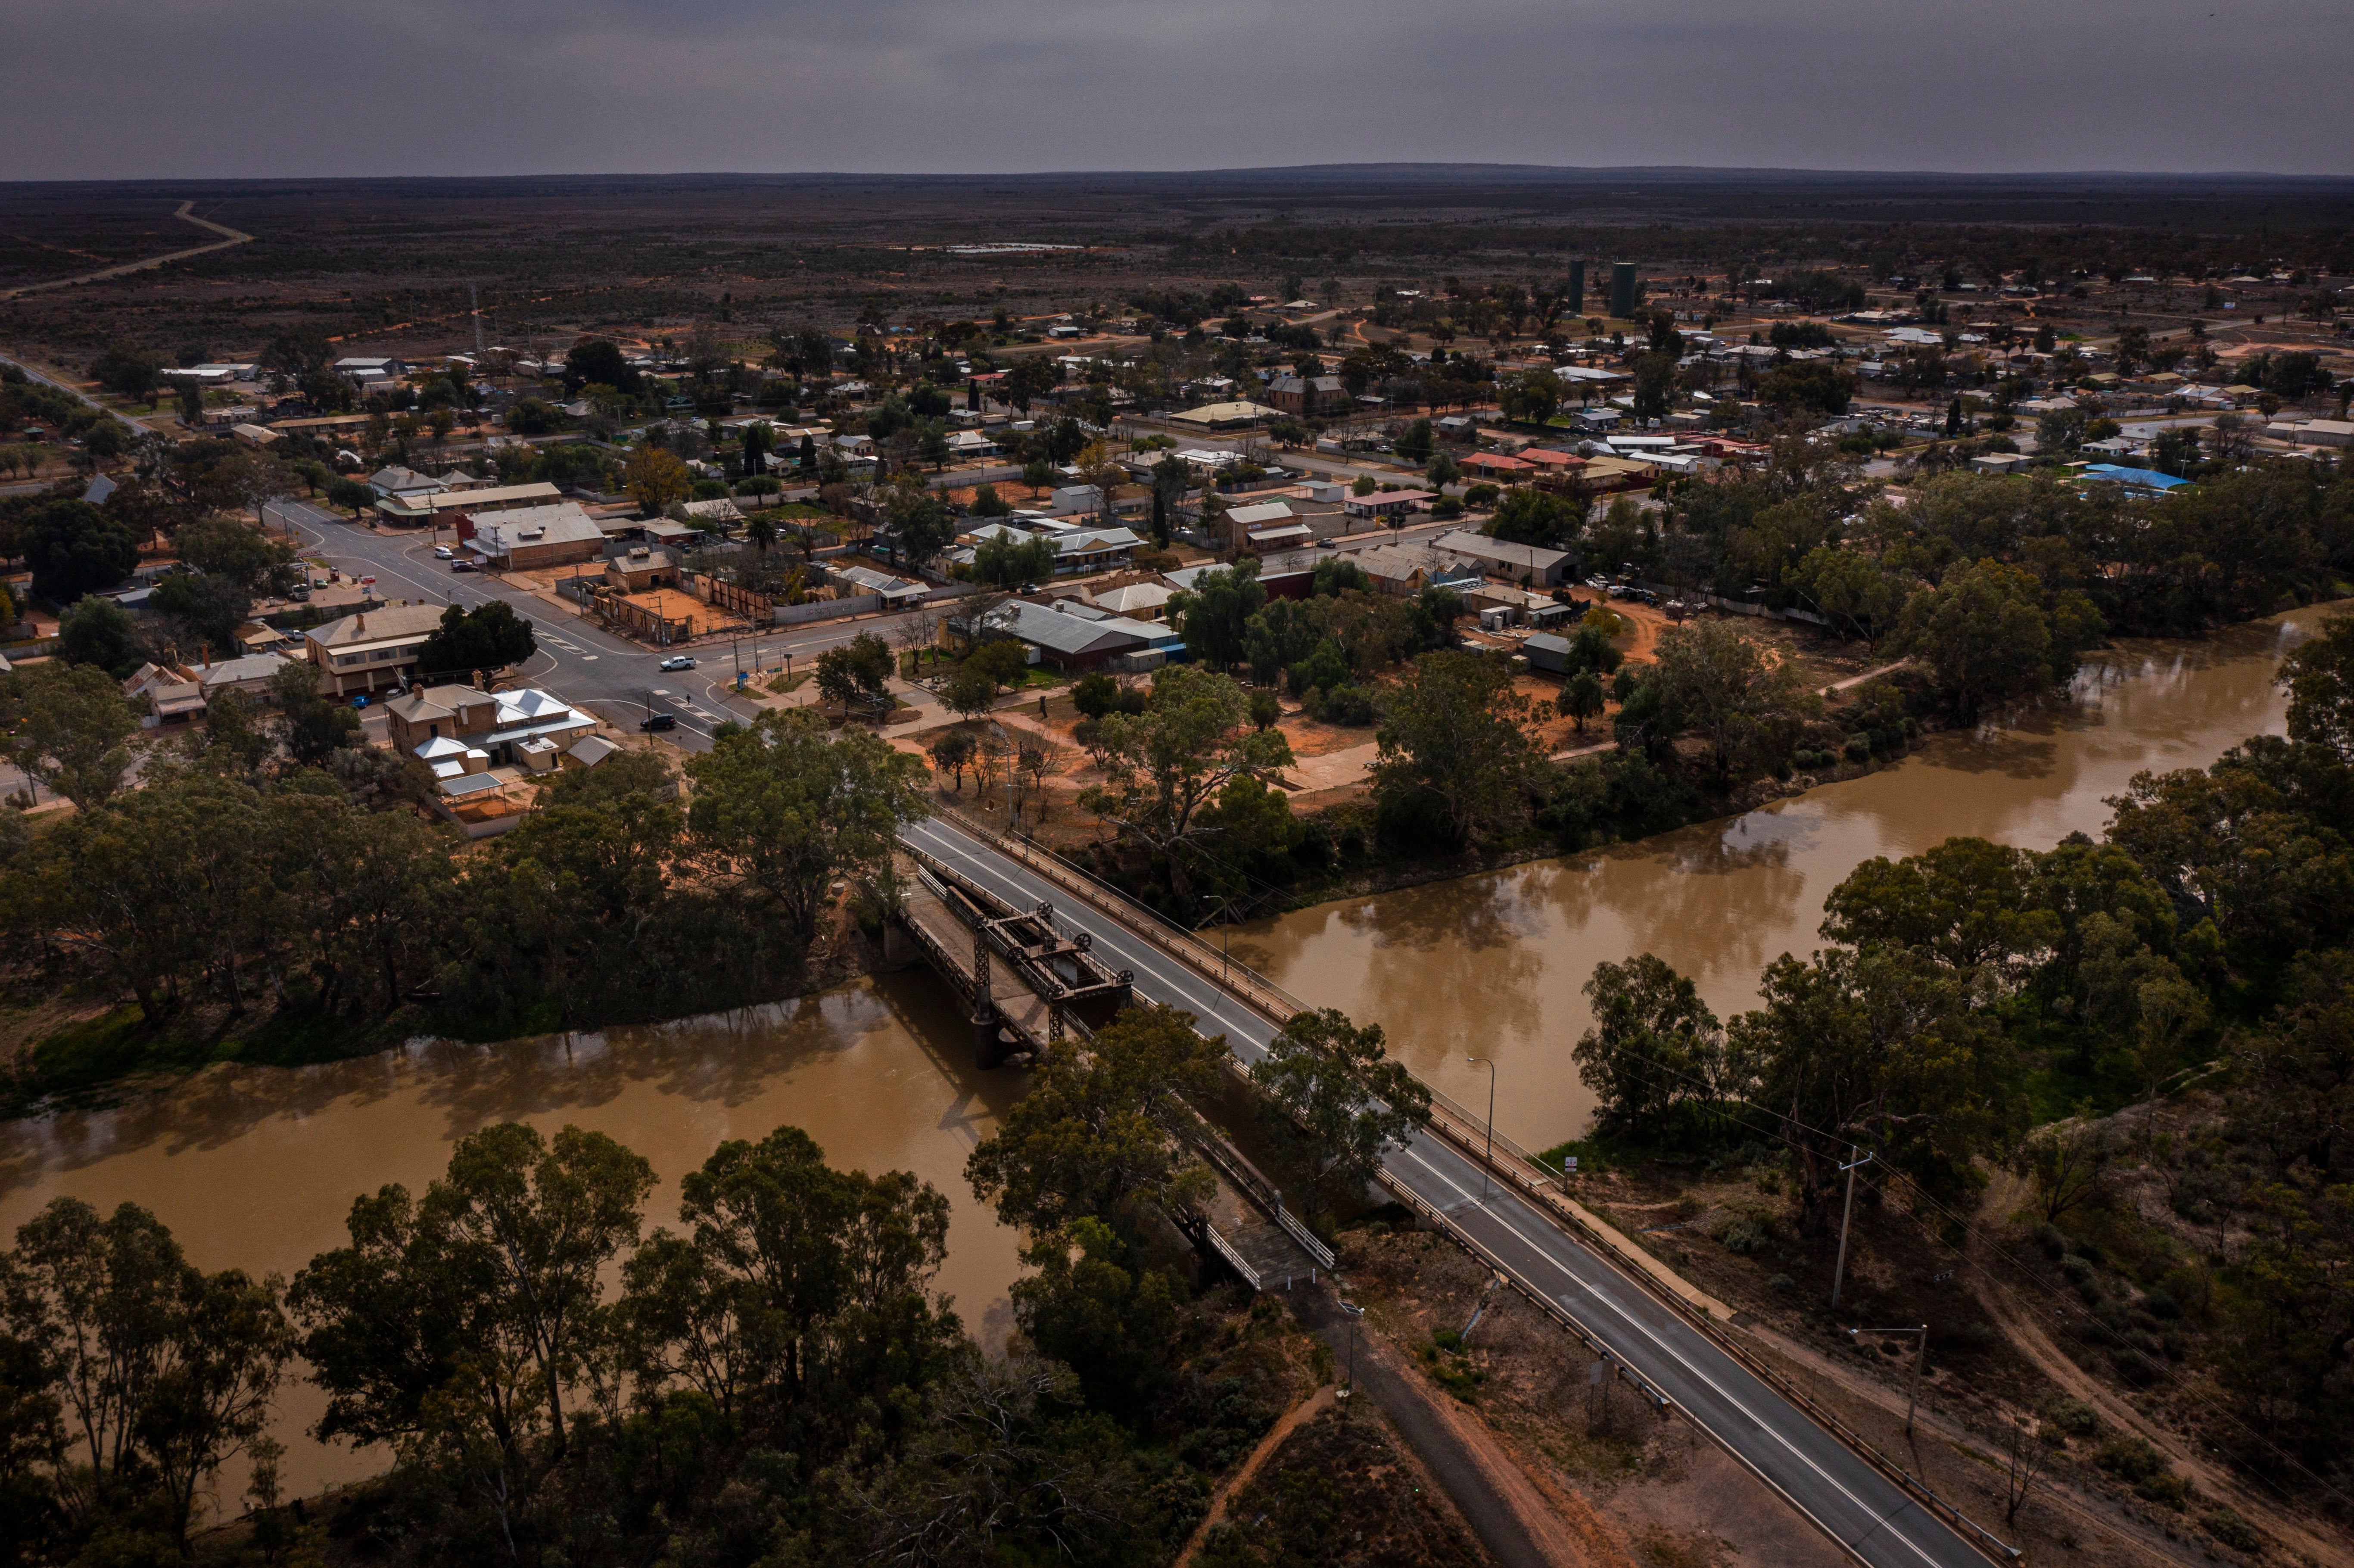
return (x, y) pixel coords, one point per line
(2023, 1325)
(186, 214)
(1513, 1519)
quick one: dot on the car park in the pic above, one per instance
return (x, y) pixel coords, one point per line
(659, 721)
(678, 661)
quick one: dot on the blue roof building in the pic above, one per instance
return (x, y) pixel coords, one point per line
(2148, 480)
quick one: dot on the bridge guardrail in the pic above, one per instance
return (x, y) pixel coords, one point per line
(1466, 1134)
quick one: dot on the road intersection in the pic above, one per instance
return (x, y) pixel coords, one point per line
(618, 680)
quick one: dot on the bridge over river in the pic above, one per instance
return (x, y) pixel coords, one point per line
(1035, 948)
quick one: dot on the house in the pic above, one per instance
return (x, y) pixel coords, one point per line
(250, 673)
(372, 649)
(1074, 643)
(1528, 564)
(1388, 504)
(1999, 462)
(1488, 465)
(99, 488)
(897, 593)
(437, 506)
(1399, 570)
(1138, 601)
(1307, 395)
(1095, 549)
(1552, 461)
(1269, 524)
(718, 513)
(639, 569)
(260, 437)
(458, 730)
(970, 444)
(170, 696)
(1222, 416)
(394, 482)
(385, 369)
(533, 536)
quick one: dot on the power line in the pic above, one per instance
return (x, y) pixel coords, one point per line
(1923, 1196)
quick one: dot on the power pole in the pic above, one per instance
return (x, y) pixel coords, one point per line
(475, 299)
(1838, 1271)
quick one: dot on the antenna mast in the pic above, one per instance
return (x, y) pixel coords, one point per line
(475, 298)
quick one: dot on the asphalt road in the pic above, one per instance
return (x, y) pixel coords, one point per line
(116, 414)
(1845, 1497)
(578, 661)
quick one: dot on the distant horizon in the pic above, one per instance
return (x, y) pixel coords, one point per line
(1371, 168)
(144, 89)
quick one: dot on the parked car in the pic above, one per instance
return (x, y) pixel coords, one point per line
(444, 552)
(659, 721)
(678, 661)
(360, 701)
(464, 566)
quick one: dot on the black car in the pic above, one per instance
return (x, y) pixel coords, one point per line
(659, 721)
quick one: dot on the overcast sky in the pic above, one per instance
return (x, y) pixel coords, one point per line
(118, 88)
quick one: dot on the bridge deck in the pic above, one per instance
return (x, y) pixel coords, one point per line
(948, 941)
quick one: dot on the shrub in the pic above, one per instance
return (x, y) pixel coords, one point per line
(1745, 1237)
(2232, 1530)
(1782, 1285)
(2049, 1238)
(2130, 1458)
(1974, 1337)
(2078, 1269)
(1481, 494)
(2074, 1417)
(2158, 1304)
(1446, 506)
(1347, 705)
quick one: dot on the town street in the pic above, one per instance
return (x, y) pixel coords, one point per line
(578, 661)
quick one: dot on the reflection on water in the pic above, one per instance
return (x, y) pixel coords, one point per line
(1493, 966)
(256, 1167)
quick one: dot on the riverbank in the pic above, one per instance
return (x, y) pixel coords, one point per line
(1492, 963)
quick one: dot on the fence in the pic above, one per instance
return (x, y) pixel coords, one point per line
(827, 610)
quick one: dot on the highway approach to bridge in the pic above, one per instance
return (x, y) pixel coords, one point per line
(1844, 1495)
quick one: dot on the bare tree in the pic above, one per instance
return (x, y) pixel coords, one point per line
(2026, 1458)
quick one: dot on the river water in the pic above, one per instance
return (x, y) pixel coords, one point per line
(256, 1168)
(1494, 966)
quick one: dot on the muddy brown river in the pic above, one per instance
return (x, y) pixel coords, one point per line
(1494, 966)
(255, 1168)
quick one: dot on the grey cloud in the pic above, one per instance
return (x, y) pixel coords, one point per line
(105, 88)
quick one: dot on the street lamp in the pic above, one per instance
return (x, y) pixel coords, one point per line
(1491, 1159)
(1222, 904)
(1920, 1354)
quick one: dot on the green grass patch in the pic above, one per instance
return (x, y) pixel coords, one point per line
(85, 1053)
(786, 685)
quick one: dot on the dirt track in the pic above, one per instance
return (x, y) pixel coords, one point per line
(2022, 1326)
(1514, 1521)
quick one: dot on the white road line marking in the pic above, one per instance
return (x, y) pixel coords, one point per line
(1677, 1357)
